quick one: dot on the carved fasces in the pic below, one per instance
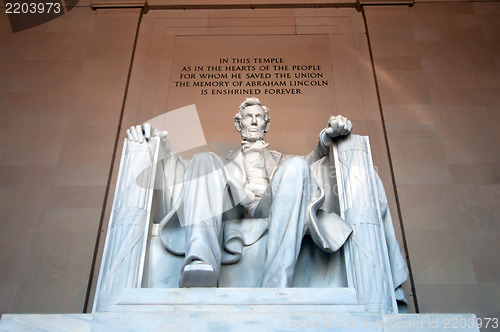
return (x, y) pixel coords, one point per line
(367, 258)
(129, 228)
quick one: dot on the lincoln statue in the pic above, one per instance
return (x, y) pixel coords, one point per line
(259, 182)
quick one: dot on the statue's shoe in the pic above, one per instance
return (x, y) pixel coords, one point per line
(198, 274)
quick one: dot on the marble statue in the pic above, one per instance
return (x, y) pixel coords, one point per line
(264, 185)
(254, 218)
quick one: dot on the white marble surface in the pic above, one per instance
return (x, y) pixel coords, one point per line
(128, 232)
(231, 300)
(214, 296)
(215, 320)
(375, 264)
(53, 323)
(236, 321)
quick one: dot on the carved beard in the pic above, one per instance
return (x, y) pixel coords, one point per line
(252, 135)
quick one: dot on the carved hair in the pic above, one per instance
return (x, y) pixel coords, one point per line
(252, 101)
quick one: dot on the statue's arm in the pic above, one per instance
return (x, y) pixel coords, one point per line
(321, 150)
(337, 126)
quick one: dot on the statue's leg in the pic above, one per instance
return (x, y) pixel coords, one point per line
(292, 187)
(203, 196)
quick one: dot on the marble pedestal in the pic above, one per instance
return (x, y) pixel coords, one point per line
(242, 309)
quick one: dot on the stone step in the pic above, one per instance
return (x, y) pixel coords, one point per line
(238, 321)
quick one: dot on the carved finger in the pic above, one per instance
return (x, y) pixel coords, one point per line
(134, 134)
(335, 128)
(147, 131)
(140, 134)
(341, 126)
(129, 135)
(334, 118)
(330, 120)
(163, 134)
(346, 130)
(349, 128)
(345, 126)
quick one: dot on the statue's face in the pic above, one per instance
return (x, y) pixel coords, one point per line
(253, 123)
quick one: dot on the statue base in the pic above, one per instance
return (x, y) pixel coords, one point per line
(237, 309)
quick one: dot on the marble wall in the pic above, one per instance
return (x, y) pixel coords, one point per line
(438, 72)
(62, 86)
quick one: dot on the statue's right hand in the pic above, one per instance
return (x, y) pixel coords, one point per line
(141, 133)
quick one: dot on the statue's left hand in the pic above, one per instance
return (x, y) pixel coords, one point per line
(338, 126)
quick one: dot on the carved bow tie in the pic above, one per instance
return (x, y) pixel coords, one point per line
(253, 146)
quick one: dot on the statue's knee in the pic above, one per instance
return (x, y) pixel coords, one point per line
(296, 164)
(204, 158)
(206, 162)
(201, 156)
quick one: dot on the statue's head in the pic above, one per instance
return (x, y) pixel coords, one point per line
(252, 120)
